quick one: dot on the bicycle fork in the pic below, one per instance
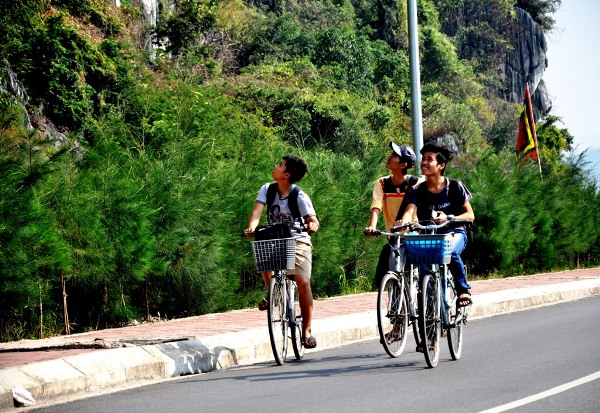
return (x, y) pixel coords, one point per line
(448, 284)
(412, 294)
(291, 311)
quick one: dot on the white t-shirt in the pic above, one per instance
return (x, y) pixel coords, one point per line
(280, 213)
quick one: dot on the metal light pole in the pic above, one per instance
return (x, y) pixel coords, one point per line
(415, 77)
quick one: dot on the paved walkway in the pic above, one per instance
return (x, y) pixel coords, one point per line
(58, 366)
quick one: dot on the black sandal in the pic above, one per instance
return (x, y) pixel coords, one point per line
(309, 342)
(464, 299)
(263, 305)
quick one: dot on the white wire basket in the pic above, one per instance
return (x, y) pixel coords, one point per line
(274, 254)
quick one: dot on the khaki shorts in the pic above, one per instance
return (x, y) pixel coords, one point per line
(303, 259)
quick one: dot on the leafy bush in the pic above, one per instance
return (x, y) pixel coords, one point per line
(140, 214)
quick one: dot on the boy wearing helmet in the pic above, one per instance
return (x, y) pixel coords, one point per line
(388, 194)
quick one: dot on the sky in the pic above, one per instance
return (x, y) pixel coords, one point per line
(572, 77)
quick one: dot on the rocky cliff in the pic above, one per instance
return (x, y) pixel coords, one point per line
(526, 64)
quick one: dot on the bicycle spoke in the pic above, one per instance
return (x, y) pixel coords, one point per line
(455, 331)
(429, 320)
(296, 326)
(277, 320)
(392, 314)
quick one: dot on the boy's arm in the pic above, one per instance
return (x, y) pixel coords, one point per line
(376, 206)
(255, 217)
(409, 213)
(372, 222)
(312, 223)
(374, 217)
(466, 214)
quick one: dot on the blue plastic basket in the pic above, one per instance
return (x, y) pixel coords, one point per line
(429, 248)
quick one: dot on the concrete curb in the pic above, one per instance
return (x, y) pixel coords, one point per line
(94, 371)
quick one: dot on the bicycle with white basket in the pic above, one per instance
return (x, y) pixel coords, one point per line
(439, 311)
(283, 313)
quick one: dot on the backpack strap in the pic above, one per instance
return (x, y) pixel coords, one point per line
(271, 192)
(389, 188)
(412, 180)
(292, 199)
(293, 202)
(453, 189)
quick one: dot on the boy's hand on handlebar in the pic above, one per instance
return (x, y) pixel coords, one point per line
(405, 227)
(439, 216)
(371, 232)
(249, 232)
(311, 227)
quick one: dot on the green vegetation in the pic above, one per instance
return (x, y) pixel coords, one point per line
(140, 213)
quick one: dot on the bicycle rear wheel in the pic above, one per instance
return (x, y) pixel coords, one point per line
(392, 314)
(278, 322)
(429, 318)
(414, 272)
(455, 329)
(296, 325)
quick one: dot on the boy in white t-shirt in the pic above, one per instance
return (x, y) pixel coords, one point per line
(286, 173)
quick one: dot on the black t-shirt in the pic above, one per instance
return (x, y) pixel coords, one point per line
(450, 200)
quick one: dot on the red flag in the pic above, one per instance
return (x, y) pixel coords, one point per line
(526, 139)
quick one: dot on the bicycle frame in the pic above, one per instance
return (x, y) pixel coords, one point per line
(445, 280)
(406, 278)
(289, 319)
(272, 257)
(289, 288)
(440, 313)
(397, 298)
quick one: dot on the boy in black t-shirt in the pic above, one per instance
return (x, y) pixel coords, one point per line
(437, 199)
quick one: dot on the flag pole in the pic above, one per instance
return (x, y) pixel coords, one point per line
(529, 107)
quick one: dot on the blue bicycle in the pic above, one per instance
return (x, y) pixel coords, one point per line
(439, 312)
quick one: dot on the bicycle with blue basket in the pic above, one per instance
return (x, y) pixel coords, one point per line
(439, 312)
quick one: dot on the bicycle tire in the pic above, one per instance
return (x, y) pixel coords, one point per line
(296, 326)
(415, 301)
(277, 317)
(455, 329)
(429, 318)
(392, 314)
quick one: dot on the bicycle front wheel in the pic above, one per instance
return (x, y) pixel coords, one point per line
(278, 322)
(455, 329)
(429, 319)
(392, 314)
(296, 325)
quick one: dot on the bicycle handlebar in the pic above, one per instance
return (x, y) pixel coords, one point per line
(295, 229)
(396, 231)
(433, 226)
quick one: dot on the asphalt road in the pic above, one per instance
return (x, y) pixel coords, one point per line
(540, 360)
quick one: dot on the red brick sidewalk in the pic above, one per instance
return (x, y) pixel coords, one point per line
(235, 321)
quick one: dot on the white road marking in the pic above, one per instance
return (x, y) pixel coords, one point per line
(544, 394)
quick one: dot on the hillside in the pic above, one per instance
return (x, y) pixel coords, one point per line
(129, 171)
